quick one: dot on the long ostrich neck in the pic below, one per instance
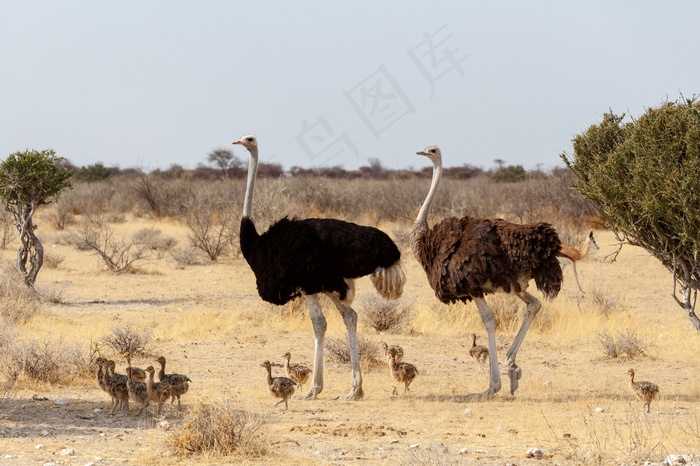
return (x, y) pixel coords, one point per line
(425, 209)
(420, 226)
(252, 172)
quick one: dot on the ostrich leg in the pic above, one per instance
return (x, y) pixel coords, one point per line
(514, 372)
(319, 322)
(350, 319)
(490, 325)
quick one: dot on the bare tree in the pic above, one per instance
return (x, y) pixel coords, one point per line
(226, 161)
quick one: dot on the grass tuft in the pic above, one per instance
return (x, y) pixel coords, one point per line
(220, 429)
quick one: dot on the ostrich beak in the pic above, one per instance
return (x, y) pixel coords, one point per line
(421, 153)
(238, 142)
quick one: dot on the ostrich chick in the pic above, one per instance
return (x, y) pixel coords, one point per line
(137, 373)
(179, 383)
(279, 387)
(399, 352)
(479, 353)
(298, 373)
(401, 371)
(157, 391)
(645, 391)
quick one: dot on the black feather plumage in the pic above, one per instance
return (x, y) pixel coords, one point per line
(469, 257)
(313, 255)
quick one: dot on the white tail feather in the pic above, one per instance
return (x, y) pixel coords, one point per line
(389, 282)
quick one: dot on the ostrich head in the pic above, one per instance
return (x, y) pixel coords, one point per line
(150, 370)
(248, 141)
(432, 152)
(161, 360)
(630, 372)
(287, 355)
(266, 364)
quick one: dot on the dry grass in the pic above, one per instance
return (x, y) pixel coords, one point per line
(17, 302)
(221, 429)
(627, 342)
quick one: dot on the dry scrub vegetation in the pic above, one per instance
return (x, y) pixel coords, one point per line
(187, 294)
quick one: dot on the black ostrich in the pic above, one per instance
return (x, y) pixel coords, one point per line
(305, 257)
(467, 258)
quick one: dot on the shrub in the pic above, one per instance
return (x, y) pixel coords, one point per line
(154, 241)
(626, 342)
(220, 429)
(187, 256)
(118, 254)
(53, 261)
(338, 351)
(18, 303)
(81, 357)
(36, 359)
(386, 315)
(127, 339)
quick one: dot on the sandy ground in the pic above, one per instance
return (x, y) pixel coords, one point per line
(573, 402)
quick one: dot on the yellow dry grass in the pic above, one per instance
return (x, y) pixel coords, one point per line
(210, 324)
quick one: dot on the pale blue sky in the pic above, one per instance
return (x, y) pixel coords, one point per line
(151, 83)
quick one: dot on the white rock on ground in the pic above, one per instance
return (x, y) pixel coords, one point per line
(67, 452)
(62, 401)
(534, 452)
(44, 433)
(40, 446)
(672, 460)
(463, 451)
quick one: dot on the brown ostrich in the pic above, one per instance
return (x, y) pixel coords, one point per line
(298, 373)
(138, 391)
(401, 371)
(116, 386)
(137, 373)
(645, 391)
(468, 258)
(307, 257)
(570, 255)
(279, 387)
(480, 353)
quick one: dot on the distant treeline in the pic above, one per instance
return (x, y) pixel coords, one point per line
(227, 166)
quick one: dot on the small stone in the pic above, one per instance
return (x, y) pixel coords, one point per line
(62, 402)
(89, 464)
(599, 410)
(548, 383)
(8, 457)
(534, 453)
(481, 452)
(44, 433)
(25, 405)
(672, 460)
(67, 452)
(393, 442)
(97, 410)
(414, 446)
(50, 463)
(463, 451)
(40, 446)
(164, 425)
(468, 411)
(97, 458)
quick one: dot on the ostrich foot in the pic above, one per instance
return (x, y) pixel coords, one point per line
(514, 372)
(354, 395)
(310, 395)
(487, 394)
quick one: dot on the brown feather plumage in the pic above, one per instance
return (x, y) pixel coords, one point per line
(470, 257)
